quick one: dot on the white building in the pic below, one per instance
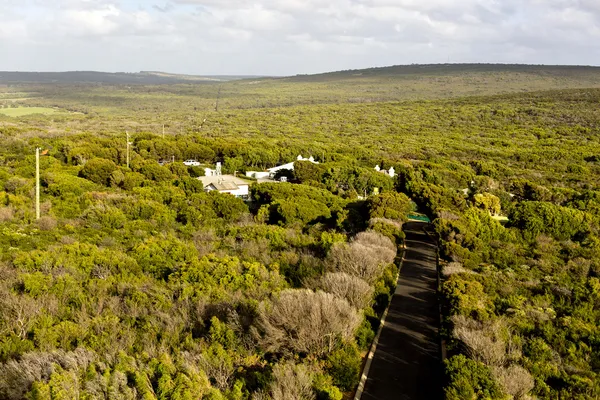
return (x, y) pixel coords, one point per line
(226, 184)
(391, 172)
(213, 172)
(270, 173)
(258, 174)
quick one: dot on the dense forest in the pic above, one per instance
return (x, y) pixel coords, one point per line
(136, 283)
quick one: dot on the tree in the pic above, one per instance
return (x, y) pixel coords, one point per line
(307, 171)
(301, 210)
(487, 202)
(390, 205)
(98, 170)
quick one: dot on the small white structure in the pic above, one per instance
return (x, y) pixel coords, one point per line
(258, 174)
(225, 184)
(391, 172)
(270, 173)
(213, 172)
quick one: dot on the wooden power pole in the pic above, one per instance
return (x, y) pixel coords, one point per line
(37, 183)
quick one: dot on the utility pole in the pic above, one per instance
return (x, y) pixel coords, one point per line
(37, 183)
(127, 133)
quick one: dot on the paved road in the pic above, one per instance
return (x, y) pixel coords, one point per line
(406, 364)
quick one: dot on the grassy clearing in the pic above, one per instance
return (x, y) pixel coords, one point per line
(22, 111)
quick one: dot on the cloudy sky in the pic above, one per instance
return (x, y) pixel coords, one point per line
(286, 37)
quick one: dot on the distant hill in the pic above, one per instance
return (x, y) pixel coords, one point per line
(144, 77)
(411, 71)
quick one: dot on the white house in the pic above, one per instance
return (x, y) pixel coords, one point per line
(226, 184)
(391, 173)
(270, 173)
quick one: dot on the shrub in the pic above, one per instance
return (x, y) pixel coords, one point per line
(18, 376)
(355, 290)
(292, 382)
(365, 334)
(306, 322)
(344, 366)
(46, 223)
(515, 380)
(155, 172)
(469, 379)
(390, 205)
(482, 342)
(6, 214)
(388, 228)
(365, 257)
(300, 210)
(323, 386)
(98, 170)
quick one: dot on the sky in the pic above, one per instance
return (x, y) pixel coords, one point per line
(288, 37)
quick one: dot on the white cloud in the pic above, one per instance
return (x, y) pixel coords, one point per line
(292, 36)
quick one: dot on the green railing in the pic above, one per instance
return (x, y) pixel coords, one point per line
(419, 217)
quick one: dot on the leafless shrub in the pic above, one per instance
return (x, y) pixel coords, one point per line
(580, 267)
(359, 260)
(305, 321)
(18, 376)
(6, 214)
(515, 380)
(482, 343)
(112, 386)
(455, 268)
(17, 313)
(205, 241)
(219, 367)
(388, 221)
(46, 223)
(261, 395)
(255, 249)
(292, 382)
(358, 292)
(445, 214)
(377, 240)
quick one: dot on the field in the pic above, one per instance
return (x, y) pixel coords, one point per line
(138, 283)
(22, 111)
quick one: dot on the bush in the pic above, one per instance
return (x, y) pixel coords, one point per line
(388, 228)
(98, 170)
(515, 380)
(344, 366)
(355, 290)
(46, 223)
(365, 257)
(365, 334)
(324, 388)
(292, 382)
(306, 322)
(390, 205)
(469, 379)
(155, 172)
(301, 210)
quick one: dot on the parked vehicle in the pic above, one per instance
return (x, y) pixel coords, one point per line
(191, 163)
